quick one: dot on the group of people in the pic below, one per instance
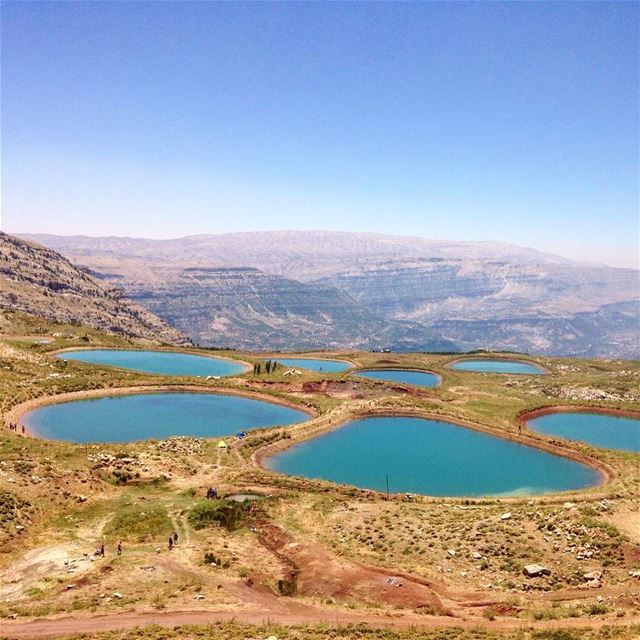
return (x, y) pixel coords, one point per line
(173, 540)
(100, 551)
(212, 493)
(16, 427)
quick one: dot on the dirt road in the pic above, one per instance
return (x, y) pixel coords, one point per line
(288, 612)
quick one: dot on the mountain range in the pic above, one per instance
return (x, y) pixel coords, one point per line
(320, 289)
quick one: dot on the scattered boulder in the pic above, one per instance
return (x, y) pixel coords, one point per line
(535, 571)
(506, 516)
(592, 575)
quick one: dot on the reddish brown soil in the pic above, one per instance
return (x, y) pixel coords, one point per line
(320, 573)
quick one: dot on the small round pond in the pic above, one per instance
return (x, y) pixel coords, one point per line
(315, 364)
(485, 365)
(142, 416)
(431, 458)
(404, 376)
(169, 363)
(599, 429)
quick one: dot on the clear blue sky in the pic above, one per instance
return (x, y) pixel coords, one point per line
(507, 121)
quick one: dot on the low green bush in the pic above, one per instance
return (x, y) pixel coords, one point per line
(227, 513)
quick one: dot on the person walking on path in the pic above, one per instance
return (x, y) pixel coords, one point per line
(175, 538)
(170, 543)
(119, 547)
(102, 550)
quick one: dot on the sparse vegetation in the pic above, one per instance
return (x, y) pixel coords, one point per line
(239, 631)
(58, 501)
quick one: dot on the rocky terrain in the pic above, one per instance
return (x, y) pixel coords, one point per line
(371, 291)
(246, 308)
(41, 282)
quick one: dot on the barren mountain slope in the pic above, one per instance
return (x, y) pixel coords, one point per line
(41, 282)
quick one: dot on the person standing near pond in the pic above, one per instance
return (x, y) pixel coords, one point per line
(175, 538)
(119, 547)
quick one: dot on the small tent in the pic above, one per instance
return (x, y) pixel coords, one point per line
(222, 444)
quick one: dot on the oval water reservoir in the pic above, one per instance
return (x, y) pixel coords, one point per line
(142, 416)
(314, 364)
(168, 363)
(484, 365)
(432, 458)
(404, 376)
(599, 429)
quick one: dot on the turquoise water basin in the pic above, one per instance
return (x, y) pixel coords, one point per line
(432, 458)
(168, 363)
(143, 416)
(485, 365)
(599, 429)
(404, 376)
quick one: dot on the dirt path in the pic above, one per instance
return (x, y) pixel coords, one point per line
(289, 614)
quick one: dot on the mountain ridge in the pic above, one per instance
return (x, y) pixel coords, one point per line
(424, 291)
(367, 243)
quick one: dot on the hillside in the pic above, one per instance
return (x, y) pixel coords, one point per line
(471, 294)
(41, 282)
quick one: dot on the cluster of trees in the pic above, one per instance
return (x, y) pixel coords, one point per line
(269, 366)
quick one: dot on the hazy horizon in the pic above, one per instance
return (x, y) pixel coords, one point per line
(319, 231)
(499, 122)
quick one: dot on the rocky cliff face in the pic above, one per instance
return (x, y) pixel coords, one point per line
(550, 309)
(41, 282)
(245, 308)
(338, 289)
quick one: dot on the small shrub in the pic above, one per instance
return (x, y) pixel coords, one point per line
(597, 609)
(211, 559)
(227, 513)
(489, 613)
